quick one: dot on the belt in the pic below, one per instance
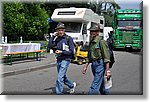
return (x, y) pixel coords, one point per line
(93, 60)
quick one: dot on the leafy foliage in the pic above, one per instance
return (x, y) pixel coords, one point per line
(24, 19)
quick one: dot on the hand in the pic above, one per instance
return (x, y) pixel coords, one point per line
(84, 68)
(108, 74)
(55, 33)
(58, 51)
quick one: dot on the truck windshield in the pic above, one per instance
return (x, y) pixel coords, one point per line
(136, 24)
(72, 27)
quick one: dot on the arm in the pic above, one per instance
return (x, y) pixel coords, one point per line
(85, 68)
(106, 57)
(51, 43)
(87, 64)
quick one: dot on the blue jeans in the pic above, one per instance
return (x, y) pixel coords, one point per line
(61, 77)
(97, 86)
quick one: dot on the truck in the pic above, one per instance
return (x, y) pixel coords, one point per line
(77, 22)
(128, 29)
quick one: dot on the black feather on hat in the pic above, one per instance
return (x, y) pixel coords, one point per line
(94, 27)
(60, 26)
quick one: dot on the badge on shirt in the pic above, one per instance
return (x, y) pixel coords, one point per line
(97, 46)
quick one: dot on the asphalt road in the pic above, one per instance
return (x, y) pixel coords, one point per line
(127, 75)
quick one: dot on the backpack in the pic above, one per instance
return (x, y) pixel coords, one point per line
(111, 54)
(110, 49)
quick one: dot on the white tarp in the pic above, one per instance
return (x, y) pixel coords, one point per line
(18, 47)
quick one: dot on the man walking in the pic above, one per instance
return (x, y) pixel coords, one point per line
(64, 51)
(110, 42)
(97, 55)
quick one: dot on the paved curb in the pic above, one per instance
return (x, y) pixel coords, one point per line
(16, 72)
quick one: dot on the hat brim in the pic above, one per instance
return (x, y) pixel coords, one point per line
(59, 28)
(94, 29)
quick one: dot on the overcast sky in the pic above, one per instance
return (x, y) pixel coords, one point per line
(129, 4)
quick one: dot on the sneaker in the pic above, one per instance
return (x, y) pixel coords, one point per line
(72, 90)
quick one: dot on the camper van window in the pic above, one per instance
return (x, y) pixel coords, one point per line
(72, 27)
(67, 13)
(101, 21)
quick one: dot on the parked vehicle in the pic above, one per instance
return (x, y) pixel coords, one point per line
(128, 29)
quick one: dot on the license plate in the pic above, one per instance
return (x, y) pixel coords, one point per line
(128, 45)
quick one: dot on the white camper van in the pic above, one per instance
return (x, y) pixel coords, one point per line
(77, 21)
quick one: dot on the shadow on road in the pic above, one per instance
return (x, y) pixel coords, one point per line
(138, 52)
(53, 89)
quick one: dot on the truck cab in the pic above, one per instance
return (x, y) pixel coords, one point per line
(128, 29)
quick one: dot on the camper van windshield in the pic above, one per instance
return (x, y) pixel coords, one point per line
(72, 27)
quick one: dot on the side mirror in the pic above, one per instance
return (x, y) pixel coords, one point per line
(84, 32)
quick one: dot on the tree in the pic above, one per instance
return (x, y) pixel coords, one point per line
(36, 21)
(24, 19)
(106, 9)
(13, 20)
